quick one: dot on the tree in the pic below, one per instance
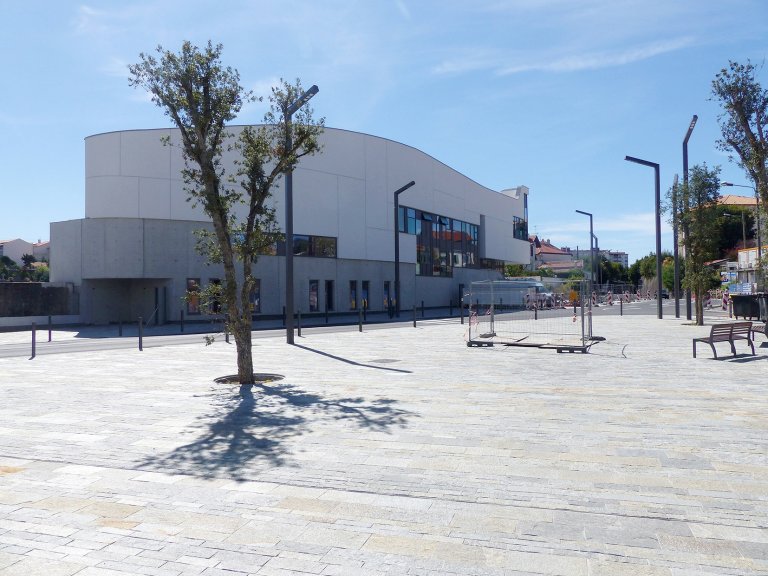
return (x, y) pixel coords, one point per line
(8, 268)
(201, 96)
(697, 209)
(744, 121)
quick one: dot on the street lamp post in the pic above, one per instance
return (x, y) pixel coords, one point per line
(675, 249)
(688, 307)
(655, 167)
(397, 245)
(288, 112)
(591, 267)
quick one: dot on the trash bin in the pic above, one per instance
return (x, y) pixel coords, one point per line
(746, 306)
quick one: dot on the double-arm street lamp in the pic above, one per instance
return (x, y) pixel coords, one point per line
(288, 112)
(655, 166)
(397, 245)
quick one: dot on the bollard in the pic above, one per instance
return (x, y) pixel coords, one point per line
(34, 338)
(226, 328)
(365, 311)
(50, 327)
(535, 313)
(326, 314)
(360, 320)
(621, 307)
(461, 310)
(414, 315)
(283, 316)
(141, 334)
(182, 321)
(298, 323)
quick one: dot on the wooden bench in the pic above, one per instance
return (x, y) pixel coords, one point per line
(727, 333)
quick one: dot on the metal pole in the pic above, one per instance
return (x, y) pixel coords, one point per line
(360, 319)
(657, 183)
(141, 334)
(287, 114)
(675, 255)
(688, 311)
(658, 241)
(34, 339)
(50, 327)
(181, 326)
(591, 284)
(414, 315)
(397, 244)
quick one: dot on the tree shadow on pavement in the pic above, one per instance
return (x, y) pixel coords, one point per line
(250, 428)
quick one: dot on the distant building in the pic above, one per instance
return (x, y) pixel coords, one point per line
(560, 261)
(15, 249)
(41, 251)
(610, 255)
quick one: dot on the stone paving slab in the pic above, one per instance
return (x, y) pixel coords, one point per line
(394, 451)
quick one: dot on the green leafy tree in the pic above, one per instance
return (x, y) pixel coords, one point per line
(201, 96)
(8, 268)
(696, 205)
(744, 121)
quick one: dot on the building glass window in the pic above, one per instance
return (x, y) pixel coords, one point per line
(322, 247)
(364, 296)
(314, 289)
(193, 296)
(255, 297)
(520, 226)
(442, 243)
(215, 303)
(353, 294)
(329, 295)
(306, 245)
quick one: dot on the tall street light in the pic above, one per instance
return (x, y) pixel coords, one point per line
(397, 245)
(675, 242)
(288, 112)
(591, 267)
(655, 167)
(757, 216)
(688, 307)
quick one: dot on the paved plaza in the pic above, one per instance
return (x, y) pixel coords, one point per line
(391, 451)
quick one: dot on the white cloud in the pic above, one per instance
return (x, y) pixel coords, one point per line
(597, 60)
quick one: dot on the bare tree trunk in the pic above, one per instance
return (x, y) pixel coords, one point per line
(241, 329)
(699, 308)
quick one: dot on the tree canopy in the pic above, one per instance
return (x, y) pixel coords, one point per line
(744, 121)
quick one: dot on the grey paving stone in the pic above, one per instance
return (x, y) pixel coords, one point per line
(468, 461)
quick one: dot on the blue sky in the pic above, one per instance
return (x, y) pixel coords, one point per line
(547, 93)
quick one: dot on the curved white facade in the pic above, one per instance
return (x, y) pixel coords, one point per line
(138, 221)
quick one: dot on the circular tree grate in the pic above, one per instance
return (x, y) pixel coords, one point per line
(258, 378)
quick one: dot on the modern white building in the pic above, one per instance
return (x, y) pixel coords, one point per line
(134, 252)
